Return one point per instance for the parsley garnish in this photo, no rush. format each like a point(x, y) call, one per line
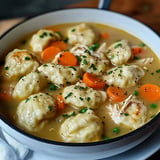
point(69, 115)
point(94, 47)
point(53, 87)
point(69, 94)
point(83, 110)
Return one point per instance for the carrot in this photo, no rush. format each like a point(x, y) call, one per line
point(136, 50)
point(116, 94)
point(60, 102)
point(150, 92)
point(92, 81)
point(49, 53)
point(5, 96)
point(59, 44)
point(104, 35)
point(67, 59)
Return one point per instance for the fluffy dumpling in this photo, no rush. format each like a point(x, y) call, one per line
point(131, 113)
point(79, 95)
point(119, 53)
point(124, 76)
point(42, 38)
point(59, 74)
point(29, 84)
point(19, 63)
point(82, 34)
point(34, 110)
point(84, 127)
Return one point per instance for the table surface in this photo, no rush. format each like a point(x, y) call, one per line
point(146, 11)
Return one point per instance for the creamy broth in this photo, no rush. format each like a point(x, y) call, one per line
point(51, 126)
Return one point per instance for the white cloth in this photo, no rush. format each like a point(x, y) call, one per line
point(10, 149)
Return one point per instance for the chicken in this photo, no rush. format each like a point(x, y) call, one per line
point(131, 112)
point(29, 84)
point(35, 110)
point(124, 76)
point(79, 96)
point(83, 127)
point(19, 63)
point(42, 38)
point(59, 74)
point(81, 34)
point(119, 53)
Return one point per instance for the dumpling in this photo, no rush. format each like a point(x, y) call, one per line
point(35, 110)
point(131, 112)
point(84, 127)
point(79, 95)
point(29, 84)
point(42, 38)
point(124, 76)
point(119, 52)
point(19, 63)
point(60, 75)
point(82, 34)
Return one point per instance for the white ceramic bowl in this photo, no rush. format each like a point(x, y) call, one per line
point(94, 150)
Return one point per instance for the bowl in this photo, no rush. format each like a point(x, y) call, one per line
point(94, 150)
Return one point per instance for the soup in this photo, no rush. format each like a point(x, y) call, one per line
point(80, 82)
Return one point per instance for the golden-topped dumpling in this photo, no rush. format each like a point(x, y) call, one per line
point(84, 127)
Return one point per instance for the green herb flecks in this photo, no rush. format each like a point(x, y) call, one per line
point(69, 115)
point(116, 130)
point(69, 94)
point(53, 87)
point(83, 110)
point(94, 47)
point(153, 105)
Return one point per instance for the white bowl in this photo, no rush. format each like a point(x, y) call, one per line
point(94, 150)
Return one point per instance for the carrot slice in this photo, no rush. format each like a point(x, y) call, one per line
point(5, 96)
point(60, 102)
point(150, 92)
point(59, 44)
point(67, 59)
point(92, 81)
point(116, 94)
point(136, 50)
point(104, 35)
point(49, 53)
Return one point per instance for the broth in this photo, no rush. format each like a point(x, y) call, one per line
point(50, 128)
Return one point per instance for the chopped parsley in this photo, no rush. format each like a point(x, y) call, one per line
point(85, 61)
point(88, 99)
point(93, 67)
point(73, 68)
point(153, 105)
point(6, 68)
point(158, 70)
point(69, 94)
point(69, 115)
point(66, 40)
point(27, 100)
point(73, 30)
point(83, 110)
point(53, 87)
point(142, 44)
point(78, 58)
point(94, 47)
point(50, 108)
point(81, 98)
point(118, 45)
point(116, 130)
point(136, 93)
point(27, 58)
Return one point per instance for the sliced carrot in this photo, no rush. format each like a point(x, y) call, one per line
point(60, 102)
point(59, 44)
point(116, 94)
point(150, 92)
point(104, 35)
point(49, 53)
point(67, 59)
point(5, 96)
point(92, 81)
point(136, 50)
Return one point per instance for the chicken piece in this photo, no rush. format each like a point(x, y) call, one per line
point(124, 76)
point(29, 84)
point(93, 64)
point(101, 51)
point(59, 74)
point(143, 62)
point(35, 110)
point(131, 112)
point(81, 34)
point(42, 38)
point(79, 95)
point(19, 63)
point(83, 127)
point(119, 53)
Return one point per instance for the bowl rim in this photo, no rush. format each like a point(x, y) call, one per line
point(53, 142)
